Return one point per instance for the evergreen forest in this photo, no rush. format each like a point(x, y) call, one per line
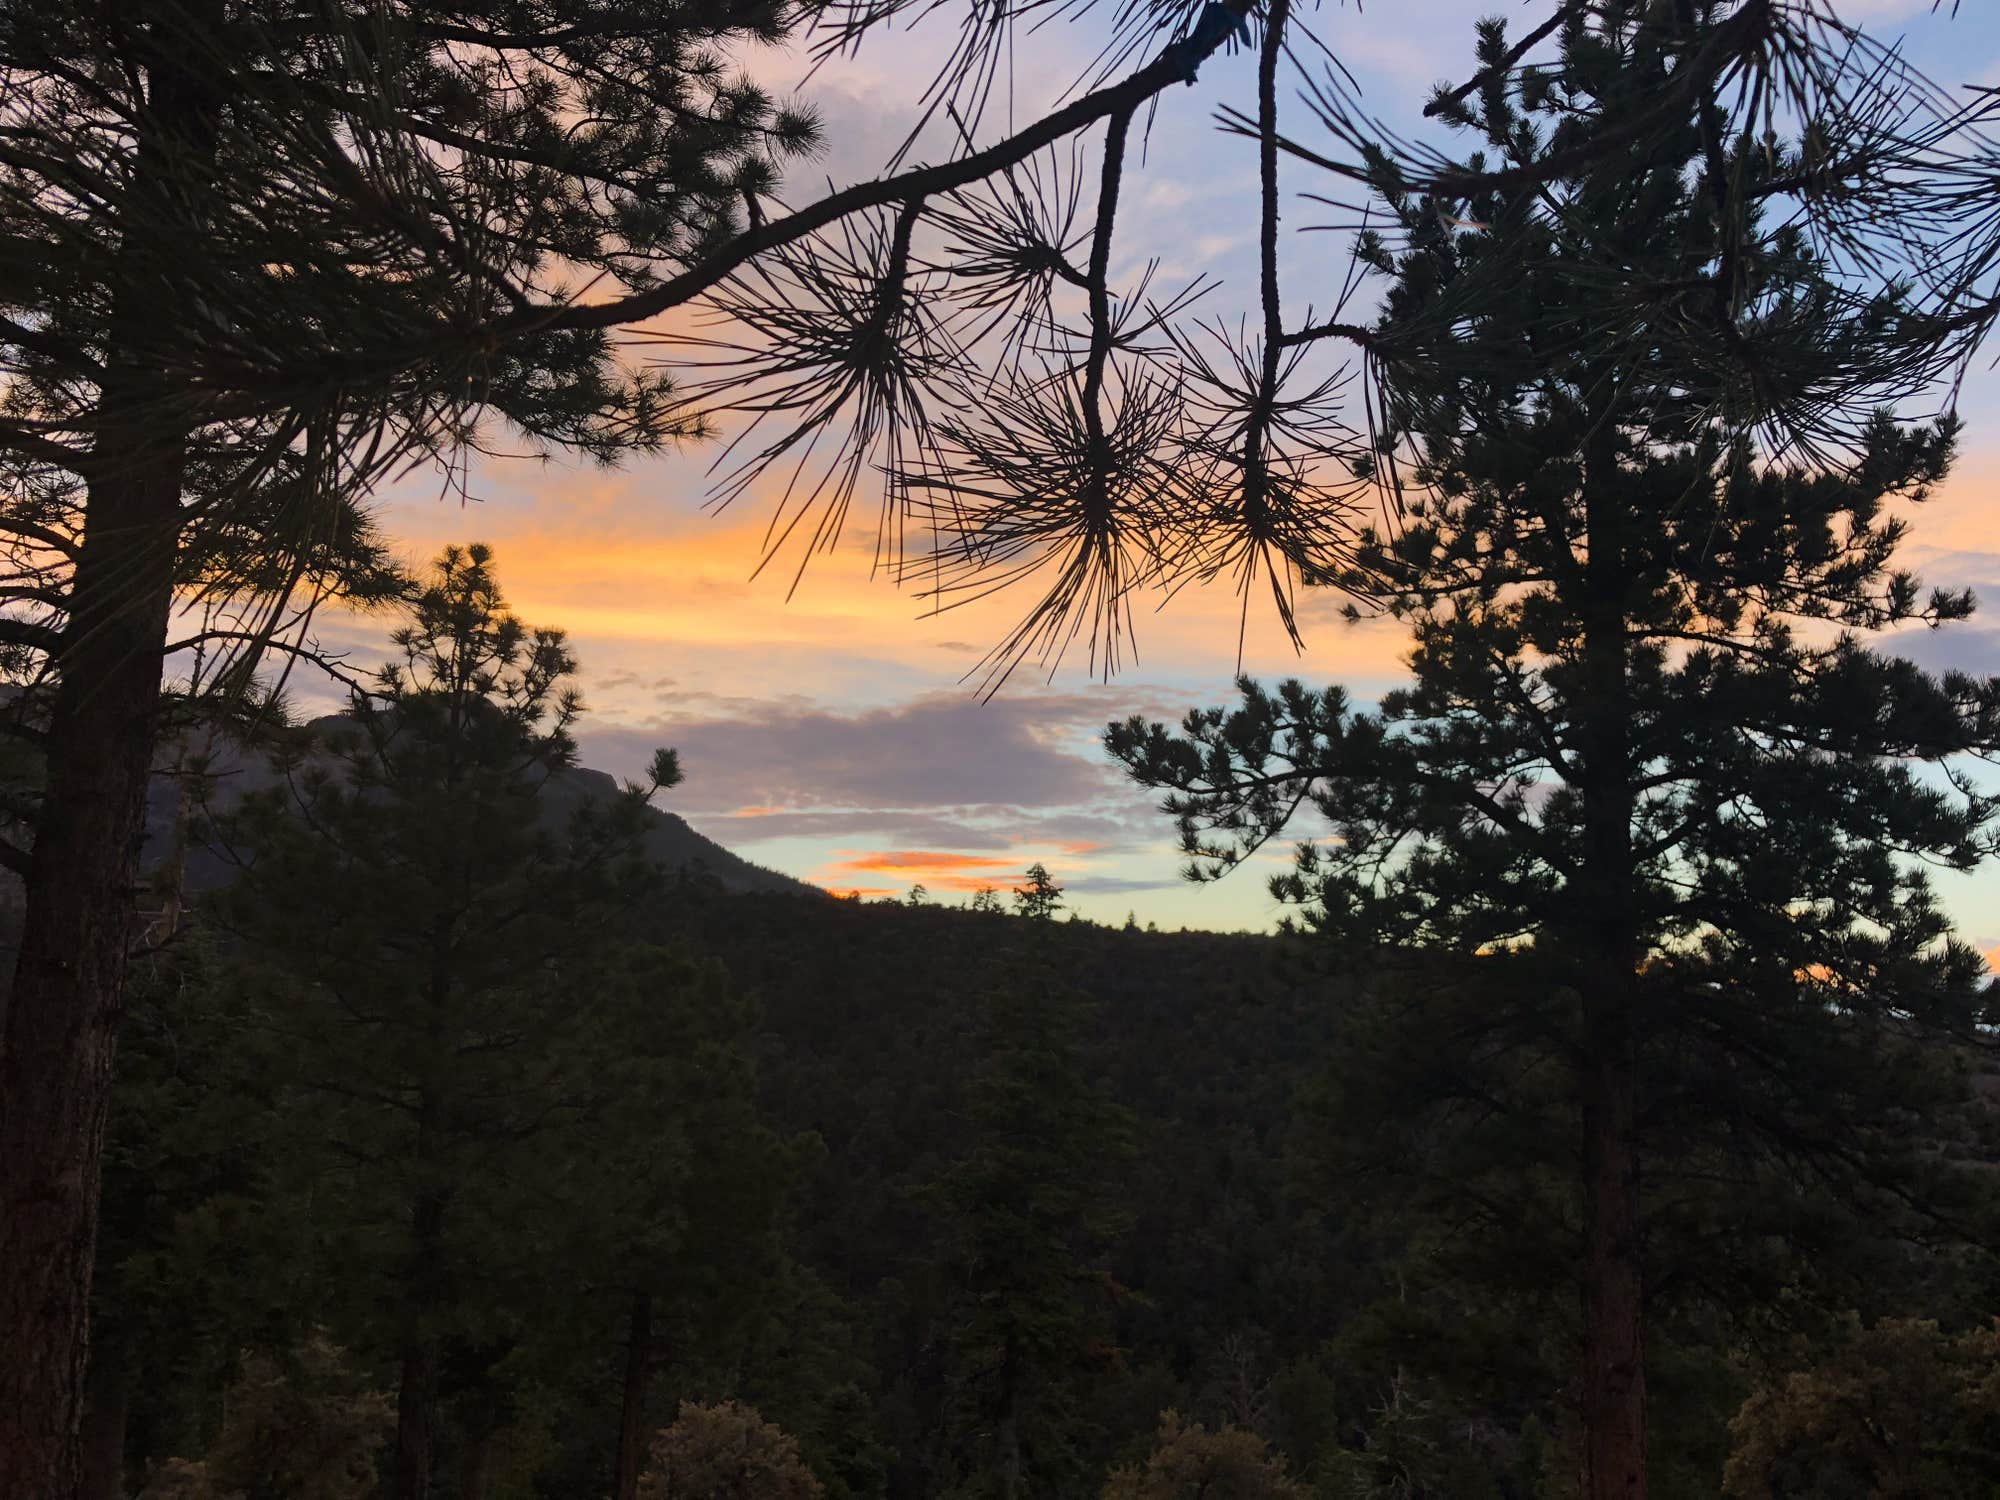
point(396, 1106)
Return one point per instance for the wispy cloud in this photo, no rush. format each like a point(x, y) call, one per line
point(939, 750)
point(935, 869)
point(1949, 649)
point(1118, 828)
point(920, 862)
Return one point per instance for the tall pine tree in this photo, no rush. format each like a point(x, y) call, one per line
point(1646, 762)
point(1030, 1210)
point(420, 931)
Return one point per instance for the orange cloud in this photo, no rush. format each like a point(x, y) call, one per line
point(922, 861)
point(632, 557)
point(1959, 515)
point(967, 884)
point(934, 868)
point(938, 869)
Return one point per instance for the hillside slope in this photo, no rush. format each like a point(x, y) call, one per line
point(670, 840)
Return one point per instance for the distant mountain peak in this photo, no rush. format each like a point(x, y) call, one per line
point(670, 841)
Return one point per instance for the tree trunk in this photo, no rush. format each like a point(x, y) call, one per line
point(1614, 1367)
point(1604, 941)
point(417, 1381)
point(61, 1022)
point(107, 1411)
point(639, 1365)
point(1007, 1434)
point(475, 1469)
point(59, 1030)
point(416, 1420)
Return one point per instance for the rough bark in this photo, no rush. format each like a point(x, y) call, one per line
point(59, 1033)
point(1606, 944)
point(61, 1022)
point(417, 1379)
point(61, 1037)
point(640, 1363)
point(1614, 1368)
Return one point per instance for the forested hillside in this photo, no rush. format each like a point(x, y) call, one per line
point(393, 1107)
point(1269, 1273)
point(469, 1128)
point(228, 772)
point(1212, 1247)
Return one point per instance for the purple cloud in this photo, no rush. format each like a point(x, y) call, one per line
point(1950, 648)
point(938, 751)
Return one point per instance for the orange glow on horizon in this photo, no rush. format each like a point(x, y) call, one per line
point(859, 892)
point(970, 885)
point(935, 869)
point(621, 557)
point(917, 861)
point(932, 868)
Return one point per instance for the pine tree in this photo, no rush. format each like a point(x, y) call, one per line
point(673, 1190)
point(1038, 898)
point(202, 1256)
point(420, 936)
point(1193, 1463)
point(207, 189)
point(1030, 1211)
point(1646, 764)
point(262, 252)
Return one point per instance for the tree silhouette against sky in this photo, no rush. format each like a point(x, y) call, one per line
point(261, 257)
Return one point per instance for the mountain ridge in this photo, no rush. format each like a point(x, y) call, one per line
point(234, 771)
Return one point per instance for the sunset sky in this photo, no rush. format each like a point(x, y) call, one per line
point(831, 736)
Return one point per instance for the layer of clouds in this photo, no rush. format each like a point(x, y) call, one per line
point(939, 750)
point(1951, 649)
point(979, 829)
point(1114, 885)
point(1957, 567)
point(934, 868)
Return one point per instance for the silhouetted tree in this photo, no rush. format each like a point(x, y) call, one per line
point(207, 191)
point(261, 257)
point(419, 934)
point(1039, 897)
point(1645, 761)
point(1029, 1211)
point(201, 1258)
point(262, 254)
point(671, 1193)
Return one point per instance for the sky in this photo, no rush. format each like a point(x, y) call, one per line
point(833, 735)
